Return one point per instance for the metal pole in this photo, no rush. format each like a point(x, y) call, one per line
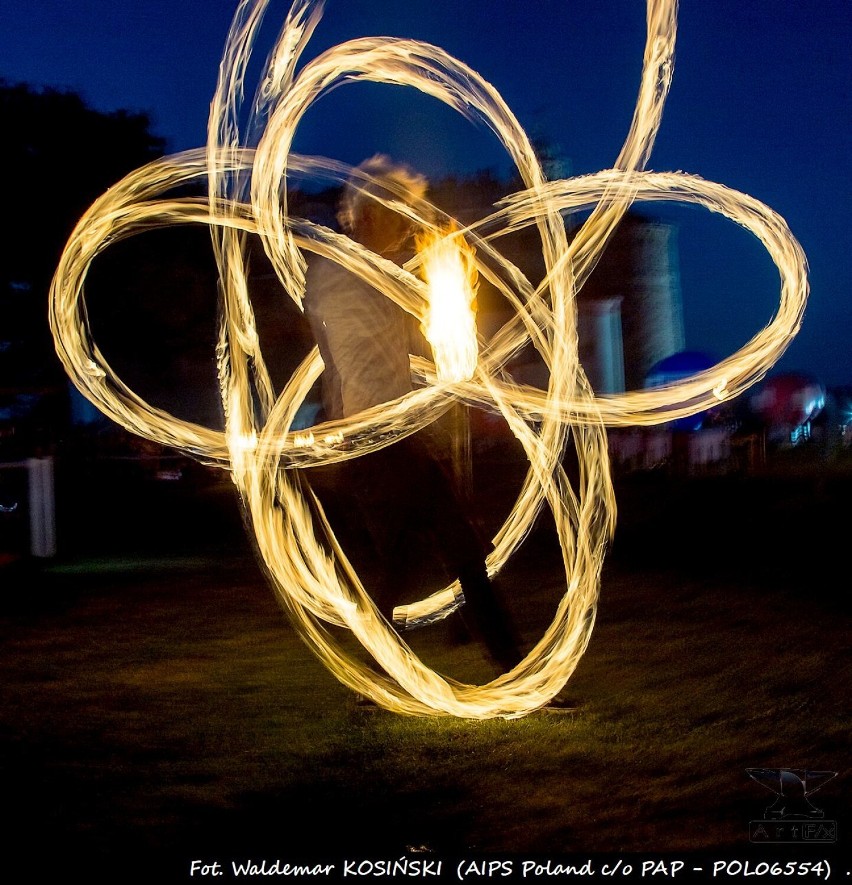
point(42, 507)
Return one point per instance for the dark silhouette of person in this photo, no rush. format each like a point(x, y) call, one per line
point(365, 339)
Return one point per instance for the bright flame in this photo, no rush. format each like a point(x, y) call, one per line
point(450, 272)
point(247, 194)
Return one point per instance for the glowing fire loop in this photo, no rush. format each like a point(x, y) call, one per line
point(267, 459)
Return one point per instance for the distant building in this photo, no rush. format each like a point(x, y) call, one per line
point(633, 293)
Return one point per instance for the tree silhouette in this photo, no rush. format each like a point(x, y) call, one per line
point(57, 155)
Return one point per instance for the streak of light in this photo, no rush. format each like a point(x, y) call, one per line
point(248, 172)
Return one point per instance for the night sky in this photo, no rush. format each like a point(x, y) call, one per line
point(760, 102)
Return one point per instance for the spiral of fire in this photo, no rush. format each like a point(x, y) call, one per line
point(247, 169)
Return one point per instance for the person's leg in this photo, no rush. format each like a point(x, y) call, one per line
point(486, 617)
point(387, 510)
point(464, 553)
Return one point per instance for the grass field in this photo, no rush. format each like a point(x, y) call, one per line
point(157, 707)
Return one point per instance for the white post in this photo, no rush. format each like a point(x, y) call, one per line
point(42, 507)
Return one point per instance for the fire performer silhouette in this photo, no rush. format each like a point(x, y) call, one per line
point(365, 339)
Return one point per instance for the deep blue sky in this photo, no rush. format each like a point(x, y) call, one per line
point(760, 102)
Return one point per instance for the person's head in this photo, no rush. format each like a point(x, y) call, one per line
point(366, 218)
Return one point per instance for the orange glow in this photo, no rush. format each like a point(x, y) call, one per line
point(450, 272)
point(248, 194)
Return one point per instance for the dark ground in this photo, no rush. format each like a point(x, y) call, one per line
point(157, 707)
